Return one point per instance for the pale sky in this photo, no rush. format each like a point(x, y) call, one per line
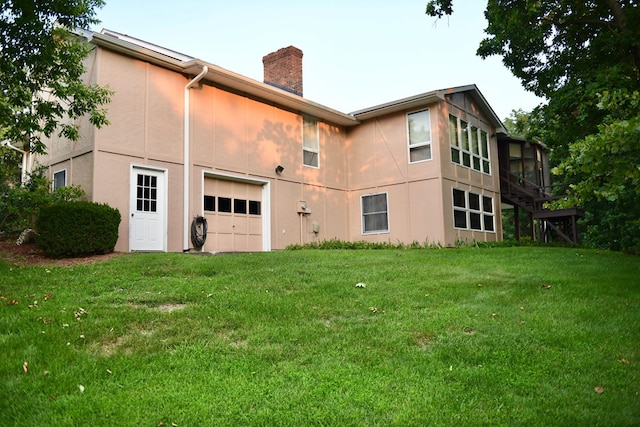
point(357, 53)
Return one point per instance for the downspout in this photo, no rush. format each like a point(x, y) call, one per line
point(187, 160)
point(26, 170)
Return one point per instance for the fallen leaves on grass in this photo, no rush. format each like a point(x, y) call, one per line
point(545, 286)
point(25, 367)
point(599, 390)
point(623, 360)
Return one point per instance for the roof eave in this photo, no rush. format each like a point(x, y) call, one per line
point(226, 78)
point(398, 105)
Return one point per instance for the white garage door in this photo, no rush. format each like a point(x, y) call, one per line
point(234, 216)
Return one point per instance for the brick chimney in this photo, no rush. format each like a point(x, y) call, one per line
point(283, 69)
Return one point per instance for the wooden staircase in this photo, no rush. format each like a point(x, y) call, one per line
point(531, 197)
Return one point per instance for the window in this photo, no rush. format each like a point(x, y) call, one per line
point(469, 145)
point(419, 127)
point(229, 205)
point(59, 179)
point(254, 207)
point(239, 206)
point(459, 209)
point(310, 143)
point(209, 203)
point(375, 217)
point(224, 204)
point(472, 211)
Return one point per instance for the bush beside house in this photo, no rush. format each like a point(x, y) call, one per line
point(68, 229)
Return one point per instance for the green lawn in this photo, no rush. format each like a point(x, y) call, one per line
point(460, 337)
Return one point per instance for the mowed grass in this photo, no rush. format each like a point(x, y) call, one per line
point(460, 337)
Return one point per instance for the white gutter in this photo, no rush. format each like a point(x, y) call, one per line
point(26, 170)
point(187, 160)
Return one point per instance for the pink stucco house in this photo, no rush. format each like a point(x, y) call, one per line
point(267, 167)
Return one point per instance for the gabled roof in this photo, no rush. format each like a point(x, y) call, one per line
point(429, 98)
point(185, 64)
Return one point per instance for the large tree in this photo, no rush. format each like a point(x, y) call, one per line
point(584, 58)
point(41, 70)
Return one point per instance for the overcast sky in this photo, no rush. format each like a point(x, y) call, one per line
point(357, 53)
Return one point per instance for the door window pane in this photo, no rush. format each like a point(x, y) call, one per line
point(147, 193)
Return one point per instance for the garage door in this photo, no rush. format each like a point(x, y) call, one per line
point(234, 216)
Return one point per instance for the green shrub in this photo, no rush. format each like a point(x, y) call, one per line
point(20, 204)
point(67, 229)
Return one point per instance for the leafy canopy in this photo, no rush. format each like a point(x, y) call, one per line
point(41, 69)
point(549, 44)
point(584, 58)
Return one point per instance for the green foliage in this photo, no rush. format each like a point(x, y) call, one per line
point(67, 229)
point(439, 8)
point(10, 161)
point(605, 170)
point(20, 204)
point(552, 44)
point(360, 245)
point(41, 70)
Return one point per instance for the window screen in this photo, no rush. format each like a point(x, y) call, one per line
point(375, 216)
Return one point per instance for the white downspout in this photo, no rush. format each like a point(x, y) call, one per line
point(26, 170)
point(187, 160)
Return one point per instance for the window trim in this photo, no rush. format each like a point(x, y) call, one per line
point(305, 148)
point(53, 179)
point(428, 143)
point(362, 214)
point(468, 211)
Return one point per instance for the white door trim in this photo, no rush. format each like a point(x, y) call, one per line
point(266, 199)
point(162, 205)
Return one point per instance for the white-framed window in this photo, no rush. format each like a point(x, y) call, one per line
point(310, 142)
point(473, 211)
point(419, 135)
point(59, 179)
point(375, 213)
point(469, 145)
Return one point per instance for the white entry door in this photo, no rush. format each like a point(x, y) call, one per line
point(147, 222)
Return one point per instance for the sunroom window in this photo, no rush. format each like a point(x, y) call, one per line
point(472, 211)
point(469, 145)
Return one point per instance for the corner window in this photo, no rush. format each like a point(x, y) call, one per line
point(310, 142)
point(59, 179)
point(375, 215)
point(419, 131)
point(472, 211)
point(469, 145)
